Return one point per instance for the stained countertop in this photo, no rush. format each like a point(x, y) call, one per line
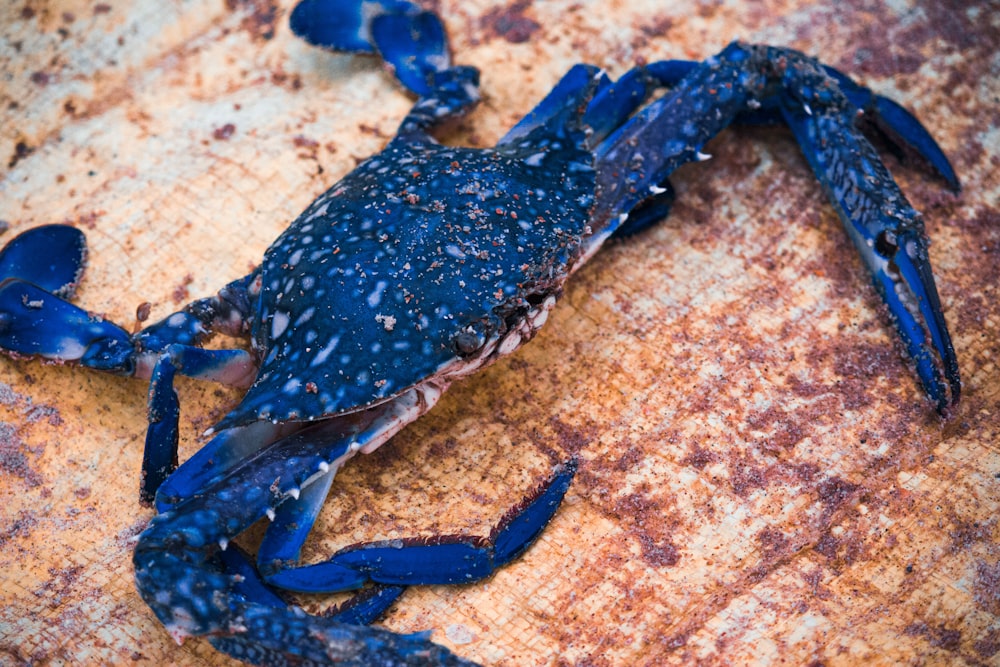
point(761, 480)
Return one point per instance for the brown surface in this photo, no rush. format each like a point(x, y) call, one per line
point(761, 480)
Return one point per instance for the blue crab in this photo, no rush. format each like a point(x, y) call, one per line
point(420, 267)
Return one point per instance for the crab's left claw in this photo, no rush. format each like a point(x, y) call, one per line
point(889, 234)
point(39, 269)
point(905, 133)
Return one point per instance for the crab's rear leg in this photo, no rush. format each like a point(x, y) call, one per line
point(448, 560)
point(437, 560)
point(394, 565)
point(363, 608)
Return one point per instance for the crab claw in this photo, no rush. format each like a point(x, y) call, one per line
point(50, 256)
point(902, 271)
point(889, 235)
point(37, 269)
point(34, 321)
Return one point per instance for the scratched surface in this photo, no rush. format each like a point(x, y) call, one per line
point(760, 481)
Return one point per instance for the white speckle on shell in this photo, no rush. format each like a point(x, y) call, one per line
point(305, 316)
point(375, 298)
point(322, 355)
point(278, 324)
point(387, 321)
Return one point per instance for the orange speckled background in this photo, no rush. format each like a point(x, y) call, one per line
point(761, 481)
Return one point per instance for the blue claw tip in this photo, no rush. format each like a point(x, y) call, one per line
point(51, 256)
point(936, 361)
point(902, 273)
point(906, 131)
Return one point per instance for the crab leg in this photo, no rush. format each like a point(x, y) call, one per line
point(233, 367)
point(363, 608)
point(216, 458)
point(193, 593)
point(439, 560)
point(35, 320)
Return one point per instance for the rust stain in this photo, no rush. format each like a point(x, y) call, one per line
point(510, 23)
point(261, 17)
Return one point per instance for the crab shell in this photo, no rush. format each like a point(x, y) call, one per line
point(423, 264)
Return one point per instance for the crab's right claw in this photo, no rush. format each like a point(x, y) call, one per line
point(35, 322)
point(902, 271)
point(889, 234)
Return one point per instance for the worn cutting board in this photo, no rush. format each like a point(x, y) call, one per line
point(761, 480)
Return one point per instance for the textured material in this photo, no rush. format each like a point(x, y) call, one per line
point(760, 476)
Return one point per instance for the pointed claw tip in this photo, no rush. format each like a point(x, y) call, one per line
point(947, 405)
point(146, 497)
point(568, 467)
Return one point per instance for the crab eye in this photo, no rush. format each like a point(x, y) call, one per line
point(885, 244)
point(467, 343)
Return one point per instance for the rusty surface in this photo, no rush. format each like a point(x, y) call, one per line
point(760, 481)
